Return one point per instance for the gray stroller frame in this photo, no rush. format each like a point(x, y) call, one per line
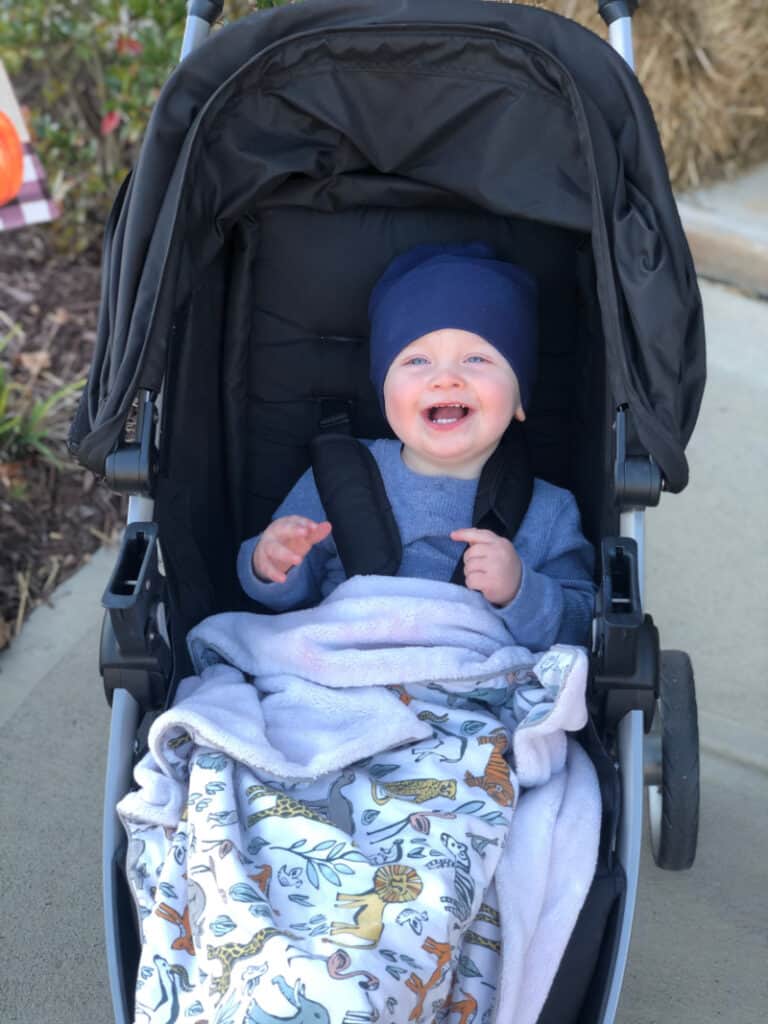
point(646, 761)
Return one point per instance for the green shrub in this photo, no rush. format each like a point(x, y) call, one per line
point(89, 71)
point(27, 419)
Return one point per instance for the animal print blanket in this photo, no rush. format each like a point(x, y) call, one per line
point(363, 812)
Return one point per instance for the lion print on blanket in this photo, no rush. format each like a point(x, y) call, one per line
point(366, 895)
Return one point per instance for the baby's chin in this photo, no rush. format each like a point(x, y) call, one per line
point(458, 463)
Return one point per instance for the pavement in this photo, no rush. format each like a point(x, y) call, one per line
point(698, 949)
point(727, 229)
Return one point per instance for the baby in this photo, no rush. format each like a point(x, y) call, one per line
point(453, 360)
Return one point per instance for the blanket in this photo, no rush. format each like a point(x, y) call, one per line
point(368, 811)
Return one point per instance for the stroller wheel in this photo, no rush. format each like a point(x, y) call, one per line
point(673, 743)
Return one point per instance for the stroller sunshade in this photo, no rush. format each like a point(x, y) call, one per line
point(504, 114)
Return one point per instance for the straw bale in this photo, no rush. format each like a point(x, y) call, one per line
point(703, 66)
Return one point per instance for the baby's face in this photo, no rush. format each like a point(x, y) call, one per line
point(449, 396)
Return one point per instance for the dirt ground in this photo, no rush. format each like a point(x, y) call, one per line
point(52, 517)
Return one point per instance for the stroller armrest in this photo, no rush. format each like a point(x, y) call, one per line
point(625, 661)
point(134, 653)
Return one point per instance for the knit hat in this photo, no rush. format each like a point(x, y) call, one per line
point(432, 287)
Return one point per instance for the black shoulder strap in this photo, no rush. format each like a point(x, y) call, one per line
point(364, 528)
point(504, 491)
point(349, 483)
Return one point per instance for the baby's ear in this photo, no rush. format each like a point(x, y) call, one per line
point(519, 414)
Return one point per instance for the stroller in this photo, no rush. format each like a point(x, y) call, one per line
point(288, 159)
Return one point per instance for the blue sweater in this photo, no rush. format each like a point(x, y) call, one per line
point(555, 601)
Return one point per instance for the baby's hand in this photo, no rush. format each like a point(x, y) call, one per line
point(284, 544)
point(491, 564)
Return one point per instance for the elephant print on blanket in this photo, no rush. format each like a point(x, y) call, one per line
point(363, 896)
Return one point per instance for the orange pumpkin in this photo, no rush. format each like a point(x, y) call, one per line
point(11, 160)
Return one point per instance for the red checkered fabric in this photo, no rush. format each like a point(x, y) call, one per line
point(33, 204)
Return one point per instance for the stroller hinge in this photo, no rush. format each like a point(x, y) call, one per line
point(131, 468)
point(134, 653)
point(625, 660)
point(637, 479)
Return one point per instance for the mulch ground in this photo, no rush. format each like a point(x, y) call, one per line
point(52, 518)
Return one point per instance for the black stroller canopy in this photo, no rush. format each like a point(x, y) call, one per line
point(418, 103)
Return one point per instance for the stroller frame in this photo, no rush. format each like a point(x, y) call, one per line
point(131, 672)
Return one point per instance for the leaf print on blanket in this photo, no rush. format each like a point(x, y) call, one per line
point(317, 925)
point(227, 1012)
point(213, 762)
point(330, 866)
point(222, 925)
point(244, 893)
point(219, 819)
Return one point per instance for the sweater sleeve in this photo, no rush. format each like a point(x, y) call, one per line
point(555, 602)
point(302, 585)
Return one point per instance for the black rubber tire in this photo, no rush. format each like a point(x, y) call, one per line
point(674, 845)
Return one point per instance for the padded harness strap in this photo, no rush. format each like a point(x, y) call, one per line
point(504, 491)
point(349, 483)
point(365, 532)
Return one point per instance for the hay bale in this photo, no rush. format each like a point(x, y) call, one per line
point(702, 64)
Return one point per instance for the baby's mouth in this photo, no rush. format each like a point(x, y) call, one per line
point(447, 414)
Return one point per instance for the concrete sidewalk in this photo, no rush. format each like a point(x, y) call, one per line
point(727, 229)
point(707, 560)
point(69, 622)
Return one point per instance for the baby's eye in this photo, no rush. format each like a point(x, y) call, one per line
point(480, 359)
point(415, 361)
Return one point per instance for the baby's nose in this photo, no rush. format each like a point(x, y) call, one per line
point(446, 376)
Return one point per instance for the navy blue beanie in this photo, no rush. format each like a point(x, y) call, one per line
point(432, 287)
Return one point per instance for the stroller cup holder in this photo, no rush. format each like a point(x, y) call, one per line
point(625, 663)
point(134, 654)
